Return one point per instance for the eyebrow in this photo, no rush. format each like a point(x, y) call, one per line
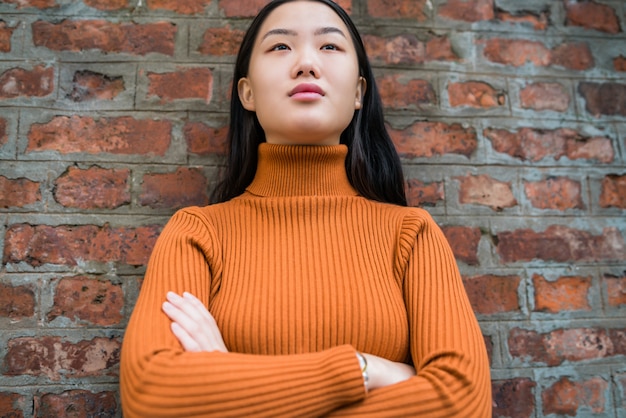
point(289, 32)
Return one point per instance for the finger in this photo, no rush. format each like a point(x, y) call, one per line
point(191, 315)
point(186, 340)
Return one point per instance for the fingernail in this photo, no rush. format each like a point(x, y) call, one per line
point(187, 295)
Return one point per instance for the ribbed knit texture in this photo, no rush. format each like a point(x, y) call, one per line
point(300, 272)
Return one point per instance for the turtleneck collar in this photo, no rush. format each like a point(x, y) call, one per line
point(301, 170)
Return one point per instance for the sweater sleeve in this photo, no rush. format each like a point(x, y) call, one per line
point(447, 347)
point(159, 379)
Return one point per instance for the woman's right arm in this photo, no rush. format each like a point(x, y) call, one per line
point(158, 378)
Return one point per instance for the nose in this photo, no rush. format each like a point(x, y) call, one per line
point(306, 65)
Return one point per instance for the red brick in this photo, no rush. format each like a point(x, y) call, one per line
point(566, 397)
point(563, 294)
point(464, 241)
point(493, 294)
point(17, 82)
point(424, 194)
point(69, 245)
point(38, 4)
point(17, 193)
point(575, 56)
point(400, 95)
point(88, 85)
point(536, 144)
point(185, 187)
point(123, 135)
point(191, 83)
point(467, 10)
point(54, 357)
point(77, 404)
point(539, 22)
point(93, 188)
point(604, 98)
point(398, 9)
point(558, 193)
point(82, 35)
point(560, 243)
point(407, 49)
point(485, 190)
point(12, 405)
point(615, 290)
point(4, 137)
point(108, 5)
point(241, 8)
point(16, 301)
point(592, 15)
point(574, 345)
point(426, 139)
point(87, 299)
point(221, 41)
point(249, 8)
point(187, 7)
point(619, 63)
point(205, 140)
point(5, 36)
point(513, 398)
point(545, 96)
point(475, 94)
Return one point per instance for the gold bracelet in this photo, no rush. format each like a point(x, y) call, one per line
point(363, 364)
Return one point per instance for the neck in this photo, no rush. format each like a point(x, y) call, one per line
point(301, 170)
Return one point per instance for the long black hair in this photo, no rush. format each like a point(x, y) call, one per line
point(372, 165)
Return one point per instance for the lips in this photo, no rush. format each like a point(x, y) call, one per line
point(305, 88)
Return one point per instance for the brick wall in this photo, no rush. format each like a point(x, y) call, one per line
point(509, 116)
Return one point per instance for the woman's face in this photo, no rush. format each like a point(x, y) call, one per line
point(303, 80)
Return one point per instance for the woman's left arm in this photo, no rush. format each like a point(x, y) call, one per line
point(448, 351)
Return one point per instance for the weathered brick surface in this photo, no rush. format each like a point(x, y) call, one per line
point(77, 403)
point(88, 85)
point(545, 96)
point(560, 243)
point(567, 397)
point(16, 301)
point(493, 294)
point(487, 191)
point(93, 188)
point(123, 135)
point(559, 193)
point(563, 294)
point(18, 82)
point(573, 345)
point(18, 192)
point(84, 35)
point(475, 94)
point(69, 245)
point(538, 144)
point(54, 357)
point(513, 398)
point(185, 187)
point(426, 139)
point(508, 115)
point(87, 299)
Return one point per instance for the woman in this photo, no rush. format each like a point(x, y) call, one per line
point(309, 289)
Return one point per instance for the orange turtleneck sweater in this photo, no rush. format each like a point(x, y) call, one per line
point(300, 272)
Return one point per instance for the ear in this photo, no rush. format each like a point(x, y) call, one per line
point(360, 92)
point(245, 94)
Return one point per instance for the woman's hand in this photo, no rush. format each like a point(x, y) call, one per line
point(383, 372)
point(193, 324)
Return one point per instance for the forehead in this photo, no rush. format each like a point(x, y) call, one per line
point(302, 16)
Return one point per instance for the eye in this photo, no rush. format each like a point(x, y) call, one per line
point(330, 47)
point(279, 47)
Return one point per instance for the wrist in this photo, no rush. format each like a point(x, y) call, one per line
point(364, 372)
